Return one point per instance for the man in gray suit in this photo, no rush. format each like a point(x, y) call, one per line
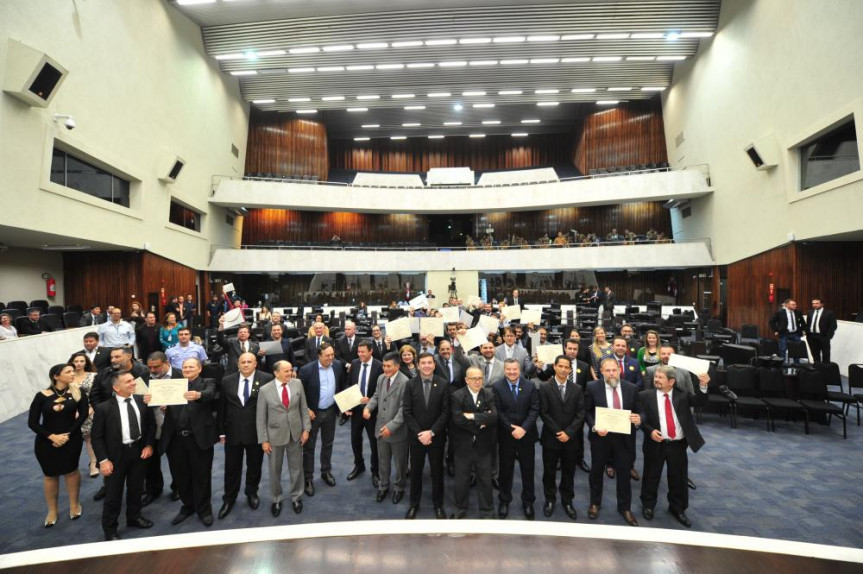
point(492, 368)
point(283, 426)
point(510, 350)
point(392, 434)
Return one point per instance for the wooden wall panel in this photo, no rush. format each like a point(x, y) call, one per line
point(421, 154)
point(628, 134)
point(158, 272)
point(747, 284)
point(264, 225)
point(103, 278)
point(832, 271)
point(285, 145)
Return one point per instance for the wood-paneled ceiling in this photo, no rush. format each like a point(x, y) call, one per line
point(335, 55)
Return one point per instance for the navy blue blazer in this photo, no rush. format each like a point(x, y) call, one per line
point(595, 397)
point(631, 372)
point(522, 412)
point(374, 371)
point(312, 383)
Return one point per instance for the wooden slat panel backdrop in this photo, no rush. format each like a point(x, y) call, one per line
point(285, 145)
point(262, 225)
point(421, 154)
point(832, 271)
point(159, 272)
point(748, 282)
point(627, 134)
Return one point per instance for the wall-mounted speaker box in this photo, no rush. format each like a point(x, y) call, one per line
point(32, 76)
point(764, 152)
point(172, 169)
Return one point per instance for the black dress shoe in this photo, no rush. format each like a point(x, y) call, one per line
point(226, 509)
point(109, 536)
point(207, 519)
point(276, 508)
point(175, 495)
point(328, 478)
point(100, 494)
point(181, 516)
point(548, 508)
point(298, 506)
point(376, 479)
point(254, 501)
point(583, 466)
point(634, 474)
point(343, 419)
point(529, 512)
point(682, 518)
point(593, 511)
point(689, 483)
point(439, 513)
point(495, 484)
point(411, 513)
point(459, 515)
point(647, 513)
point(139, 522)
point(450, 468)
point(357, 470)
point(570, 510)
point(397, 496)
point(629, 518)
point(503, 510)
point(379, 497)
point(310, 488)
point(148, 499)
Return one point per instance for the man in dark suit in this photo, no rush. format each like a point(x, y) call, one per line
point(473, 430)
point(632, 342)
point(34, 325)
point(426, 412)
point(379, 344)
point(188, 436)
point(313, 344)
point(347, 344)
point(787, 325)
point(611, 392)
point(99, 356)
point(123, 434)
point(92, 317)
point(287, 354)
point(364, 372)
point(450, 366)
point(517, 401)
point(147, 337)
point(154, 482)
point(630, 371)
point(562, 412)
point(238, 345)
point(238, 403)
point(820, 328)
point(669, 428)
point(321, 379)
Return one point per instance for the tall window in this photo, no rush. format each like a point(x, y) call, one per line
point(70, 171)
point(184, 217)
point(830, 156)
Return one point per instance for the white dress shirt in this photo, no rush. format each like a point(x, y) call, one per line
point(609, 395)
point(660, 404)
point(242, 386)
point(124, 418)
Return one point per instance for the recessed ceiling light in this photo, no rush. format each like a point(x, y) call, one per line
point(373, 45)
point(244, 73)
point(355, 110)
point(491, 122)
point(403, 96)
point(371, 126)
point(513, 62)
point(452, 123)
point(305, 50)
point(263, 101)
point(436, 137)
point(398, 137)
point(575, 60)
point(672, 36)
point(615, 36)
point(331, 69)
point(545, 60)
point(474, 93)
point(696, 34)
point(421, 65)
point(295, 100)
point(439, 95)
point(640, 58)
point(452, 64)
point(577, 37)
point(607, 59)
point(477, 135)
point(519, 134)
point(271, 53)
point(442, 42)
point(475, 41)
point(411, 125)
point(333, 98)
point(619, 89)
point(407, 44)
point(300, 70)
point(307, 111)
point(530, 121)
point(390, 66)
point(362, 139)
point(358, 67)
point(413, 108)
point(510, 93)
point(543, 38)
point(547, 91)
point(653, 89)
point(607, 102)
point(670, 58)
point(509, 39)
point(647, 35)
point(483, 105)
point(484, 63)
point(368, 97)
point(230, 57)
point(582, 90)
point(547, 104)
point(458, 107)
point(338, 48)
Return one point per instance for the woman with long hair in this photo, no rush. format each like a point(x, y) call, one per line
point(408, 363)
point(600, 349)
point(85, 373)
point(648, 355)
point(168, 334)
point(56, 416)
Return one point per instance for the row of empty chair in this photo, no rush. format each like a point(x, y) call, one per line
point(519, 177)
point(624, 169)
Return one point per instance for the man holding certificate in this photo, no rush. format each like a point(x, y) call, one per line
point(669, 428)
point(605, 400)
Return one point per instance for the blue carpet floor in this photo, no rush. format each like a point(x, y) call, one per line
point(776, 485)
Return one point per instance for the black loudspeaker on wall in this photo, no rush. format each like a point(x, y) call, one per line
point(764, 152)
point(172, 170)
point(31, 75)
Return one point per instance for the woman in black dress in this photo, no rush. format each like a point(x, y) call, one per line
point(56, 416)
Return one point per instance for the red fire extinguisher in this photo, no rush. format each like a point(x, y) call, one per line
point(50, 285)
point(771, 293)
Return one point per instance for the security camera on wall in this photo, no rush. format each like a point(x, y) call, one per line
point(32, 76)
point(68, 121)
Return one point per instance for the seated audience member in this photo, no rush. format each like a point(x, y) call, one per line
point(92, 317)
point(185, 349)
point(56, 416)
point(116, 332)
point(168, 334)
point(34, 325)
point(7, 329)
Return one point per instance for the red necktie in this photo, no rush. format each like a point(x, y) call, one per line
point(669, 418)
point(285, 399)
point(615, 400)
point(620, 362)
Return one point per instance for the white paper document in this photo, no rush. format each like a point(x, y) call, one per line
point(419, 302)
point(168, 392)
point(349, 398)
point(528, 316)
point(449, 314)
point(398, 329)
point(472, 338)
point(512, 312)
point(432, 326)
point(697, 366)
point(488, 324)
point(272, 347)
point(613, 420)
point(228, 287)
point(547, 353)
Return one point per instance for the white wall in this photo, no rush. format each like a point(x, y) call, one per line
point(467, 283)
point(142, 92)
point(783, 67)
point(21, 275)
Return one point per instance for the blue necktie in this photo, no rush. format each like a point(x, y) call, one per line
point(246, 392)
point(514, 389)
point(363, 380)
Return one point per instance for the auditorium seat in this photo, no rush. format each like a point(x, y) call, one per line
point(41, 304)
point(13, 312)
point(53, 321)
point(75, 309)
point(774, 392)
point(71, 319)
point(56, 309)
point(813, 397)
point(743, 380)
point(20, 305)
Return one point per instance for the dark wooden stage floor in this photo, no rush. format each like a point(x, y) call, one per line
point(449, 554)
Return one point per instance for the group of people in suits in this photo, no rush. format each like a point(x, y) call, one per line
point(788, 324)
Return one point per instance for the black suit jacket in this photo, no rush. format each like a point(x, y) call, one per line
point(681, 403)
point(234, 351)
point(107, 432)
point(581, 374)
point(201, 420)
point(312, 381)
point(374, 371)
point(347, 353)
point(560, 414)
point(826, 323)
point(88, 320)
point(102, 358)
point(482, 430)
point(420, 417)
point(522, 412)
point(237, 422)
point(312, 349)
point(779, 322)
point(147, 340)
point(460, 364)
point(102, 390)
point(287, 354)
point(28, 327)
point(379, 352)
point(595, 397)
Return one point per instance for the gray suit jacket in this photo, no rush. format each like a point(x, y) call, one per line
point(520, 355)
point(276, 424)
point(683, 380)
point(388, 405)
point(496, 369)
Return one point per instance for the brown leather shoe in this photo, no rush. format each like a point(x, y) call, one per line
point(609, 472)
point(634, 474)
point(593, 512)
point(630, 519)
